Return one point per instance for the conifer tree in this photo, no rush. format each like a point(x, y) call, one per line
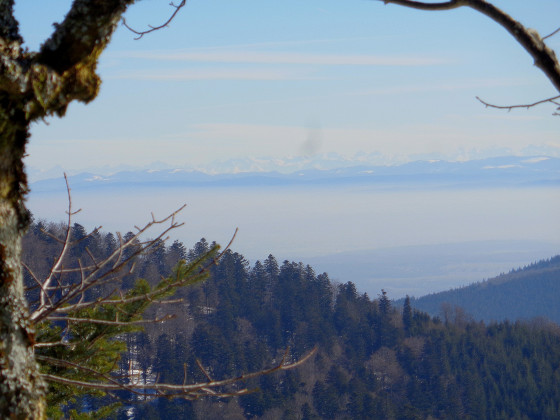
point(407, 315)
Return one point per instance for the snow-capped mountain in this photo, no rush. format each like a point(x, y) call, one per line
point(509, 171)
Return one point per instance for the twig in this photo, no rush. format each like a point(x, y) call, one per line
point(526, 106)
point(109, 322)
point(97, 277)
point(204, 371)
point(155, 28)
point(58, 261)
point(551, 34)
point(544, 57)
point(191, 391)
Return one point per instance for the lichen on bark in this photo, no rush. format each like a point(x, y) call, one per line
point(34, 85)
point(21, 387)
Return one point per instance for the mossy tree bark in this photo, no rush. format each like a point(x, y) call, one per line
point(34, 85)
point(20, 385)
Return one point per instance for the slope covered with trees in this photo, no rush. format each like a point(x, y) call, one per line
point(526, 293)
point(374, 360)
point(38, 84)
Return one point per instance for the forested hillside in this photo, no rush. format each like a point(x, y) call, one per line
point(525, 293)
point(374, 360)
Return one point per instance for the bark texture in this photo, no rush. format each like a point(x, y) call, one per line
point(34, 85)
point(21, 387)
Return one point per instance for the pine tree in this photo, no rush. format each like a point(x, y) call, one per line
point(407, 316)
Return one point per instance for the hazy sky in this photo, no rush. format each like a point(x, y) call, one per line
point(248, 78)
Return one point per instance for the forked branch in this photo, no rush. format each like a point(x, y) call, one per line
point(554, 100)
point(186, 391)
point(71, 297)
point(80, 353)
point(156, 28)
point(544, 57)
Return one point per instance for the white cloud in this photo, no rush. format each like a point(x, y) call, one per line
point(501, 167)
point(243, 56)
point(209, 74)
point(535, 160)
point(439, 87)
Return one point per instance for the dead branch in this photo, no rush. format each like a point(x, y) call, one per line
point(62, 300)
point(178, 282)
point(65, 247)
point(189, 392)
point(110, 322)
point(94, 276)
point(544, 57)
point(551, 34)
point(526, 106)
point(447, 5)
point(156, 28)
point(51, 344)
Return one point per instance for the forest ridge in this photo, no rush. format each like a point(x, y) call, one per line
point(375, 360)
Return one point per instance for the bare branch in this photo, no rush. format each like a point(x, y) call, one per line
point(148, 296)
point(53, 237)
point(526, 106)
point(204, 371)
point(108, 300)
point(229, 244)
point(65, 247)
point(551, 34)
point(191, 391)
point(185, 373)
point(96, 277)
point(39, 284)
point(63, 301)
point(51, 344)
point(60, 362)
point(156, 28)
point(109, 322)
point(448, 5)
point(543, 56)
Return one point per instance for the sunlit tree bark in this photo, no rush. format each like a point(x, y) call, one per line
point(34, 85)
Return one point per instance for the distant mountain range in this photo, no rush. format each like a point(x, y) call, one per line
point(525, 293)
point(507, 171)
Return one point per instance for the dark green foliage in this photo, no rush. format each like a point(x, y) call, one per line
point(374, 361)
point(525, 293)
point(83, 344)
point(92, 346)
point(407, 317)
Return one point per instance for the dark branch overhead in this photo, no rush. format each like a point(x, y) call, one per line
point(9, 29)
point(554, 100)
point(447, 5)
point(84, 33)
point(544, 57)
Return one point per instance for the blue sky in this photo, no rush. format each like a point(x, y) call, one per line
point(233, 79)
point(248, 78)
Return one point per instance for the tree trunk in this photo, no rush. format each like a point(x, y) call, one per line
point(21, 387)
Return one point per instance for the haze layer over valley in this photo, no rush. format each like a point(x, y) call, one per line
point(411, 229)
